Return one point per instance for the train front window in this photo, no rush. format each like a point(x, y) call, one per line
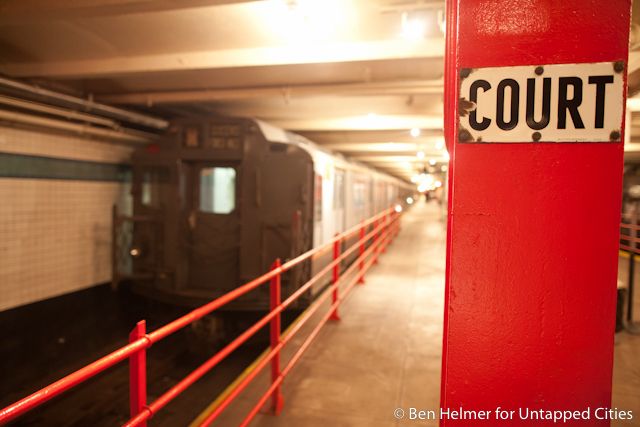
point(217, 190)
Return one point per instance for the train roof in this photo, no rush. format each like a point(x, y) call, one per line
point(275, 134)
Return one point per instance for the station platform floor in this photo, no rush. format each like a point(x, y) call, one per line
point(385, 352)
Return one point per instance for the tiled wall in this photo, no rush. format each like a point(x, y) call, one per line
point(55, 235)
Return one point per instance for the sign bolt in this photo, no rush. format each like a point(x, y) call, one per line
point(536, 136)
point(464, 73)
point(539, 70)
point(618, 66)
point(464, 135)
point(614, 135)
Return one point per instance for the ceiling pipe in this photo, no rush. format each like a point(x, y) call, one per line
point(61, 112)
point(88, 105)
point(129, 136)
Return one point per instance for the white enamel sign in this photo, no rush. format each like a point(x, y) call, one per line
point(549, 103)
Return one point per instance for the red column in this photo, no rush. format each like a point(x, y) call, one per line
point(533, 218)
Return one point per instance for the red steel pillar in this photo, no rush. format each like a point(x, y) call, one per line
point(534, 123)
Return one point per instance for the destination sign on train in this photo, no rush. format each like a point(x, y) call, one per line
point(546, 103)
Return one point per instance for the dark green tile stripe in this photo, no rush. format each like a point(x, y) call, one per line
point(37, 167)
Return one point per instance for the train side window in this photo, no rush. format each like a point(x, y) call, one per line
point(217, 190)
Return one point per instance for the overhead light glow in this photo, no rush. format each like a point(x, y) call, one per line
point(398, 208)
point(413, 29)
point(446, 156)
point(440, 144)
point(444, 168)
point(409, 200)
point(302, 21)
point(415, 132)
point(438, 184)
point(415, 178)
point(633, 104)
point(432, 162)
point(420, 154)
point(425, 182)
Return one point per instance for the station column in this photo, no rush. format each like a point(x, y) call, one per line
point(534, 122)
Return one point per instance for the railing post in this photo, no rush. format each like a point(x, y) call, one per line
point(630, 283)
point(275, 288)
point(385, 231)
point(138, 373)
point(335, 277)
point(376, 238)
point(361, 254)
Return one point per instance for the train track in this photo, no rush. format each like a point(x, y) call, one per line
point(103, 401)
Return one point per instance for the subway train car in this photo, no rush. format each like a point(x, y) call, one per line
point(218, 200)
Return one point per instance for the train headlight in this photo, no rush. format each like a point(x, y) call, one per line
point(398, 208)
point(135, 252)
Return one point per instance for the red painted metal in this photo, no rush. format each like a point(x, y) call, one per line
point(335, 278)
point(375, 242)
point(139, 341)
point(276, 398)
point(138, 373)
point(533, 228)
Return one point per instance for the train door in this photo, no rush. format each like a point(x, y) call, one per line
point(339, 200)
point(150, 191)
point(214, 222)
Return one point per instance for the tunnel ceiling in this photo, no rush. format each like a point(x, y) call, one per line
point(355, 75)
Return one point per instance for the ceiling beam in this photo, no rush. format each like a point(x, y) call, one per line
point(370, 136)
point(382, 155)
point(26, 11)
point(397, 159)
point(382, 147)
point(232, 58)
point(401, 87)
point(359, 123)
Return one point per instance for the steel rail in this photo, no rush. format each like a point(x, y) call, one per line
point(301, 322)
point(305, 345)
point(43, 395)
point(195, 375)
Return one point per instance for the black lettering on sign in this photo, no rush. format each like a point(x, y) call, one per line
point(473, 97)
point(601, 83)
point(571, 105)
point(546, 104)
point(515, 100)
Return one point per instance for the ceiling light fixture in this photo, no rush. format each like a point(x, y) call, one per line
point(413, 29)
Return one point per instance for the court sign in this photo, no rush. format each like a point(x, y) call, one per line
point(545, 103)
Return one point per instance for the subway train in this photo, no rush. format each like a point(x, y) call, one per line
point(216, 201)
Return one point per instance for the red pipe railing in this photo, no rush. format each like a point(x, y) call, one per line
point(384, 227)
